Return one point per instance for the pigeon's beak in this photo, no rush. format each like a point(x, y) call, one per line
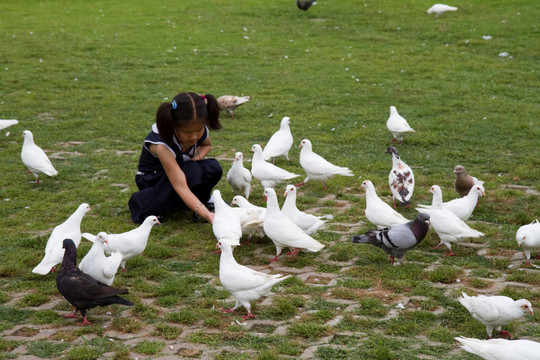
point(106, 241)
point(286, 192)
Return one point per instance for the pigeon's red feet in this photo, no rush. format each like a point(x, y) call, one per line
point(227, 310)
point(299, 184)
point(124, 270)
point(392, 260)
point(528, 263)
point(505, 334)
point(69, 316)
point(450, 253)
point(293, 253)
point(436, 247)
point(249, 316)
point(85, 322)
point(275, 258)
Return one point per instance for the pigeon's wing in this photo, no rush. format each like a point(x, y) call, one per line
point(243, 278)
point(315, 164)
point(36, 159)
point(111, 264)
point(484, 308)
point(89, 237)
point(400, 237)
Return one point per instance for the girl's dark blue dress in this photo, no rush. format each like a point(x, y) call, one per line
point(156, 194)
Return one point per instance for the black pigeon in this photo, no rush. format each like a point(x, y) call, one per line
point(399, 239)
point(304, 5)
point(81, 290)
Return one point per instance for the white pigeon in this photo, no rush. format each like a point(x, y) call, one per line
point(282, 231)
point(5, 123)
point(318, 168)
point(501, 349)
point(251, 215)
point(495, 311)
point(528, 237)
point(268, 174)
point(69, 229)
point(397, 125)
point(239, 177)
point(378, 212)
point(280, 142)
point(243, 283)
point(307, 222)
point(130, 243)
point(439, 9)
point(229, 103)
point(97, 265)
point(400, 179)
point(446, 224)
point(462, 207)
point(226, 224)
point(34, 158)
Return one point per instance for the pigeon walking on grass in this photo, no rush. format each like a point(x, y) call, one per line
point(243, 283)
point(5, 123)
point(307, 222)
point(239, 177)
point(229, 103)
point(397, 125)
point(318, 168)
point(439, 9)
point(80, 289)
point(528, 238)
point(400, 179)
point(268, 174)
point(71, 228)
point(305, 4)
point(226, 224)
point(34, 158)
point(399, 239)
point(130, 243)
point(501, 349)
point(495, 311)
point(378, 212)
point(280, 142)
point(447, 225)
point(283, 232)
point(251, 216)
point(464, 182)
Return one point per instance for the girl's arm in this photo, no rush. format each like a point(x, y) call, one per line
point(178, 181)
point(203, 149)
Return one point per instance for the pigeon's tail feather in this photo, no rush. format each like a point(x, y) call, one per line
point(113, 300)
point(43, 267)
point(89, 236)
point(368, 238)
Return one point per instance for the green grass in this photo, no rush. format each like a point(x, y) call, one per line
point(86, 78)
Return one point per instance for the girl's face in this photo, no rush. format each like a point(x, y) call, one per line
point(189, 133)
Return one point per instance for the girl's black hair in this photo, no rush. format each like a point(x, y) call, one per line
point(186, 107)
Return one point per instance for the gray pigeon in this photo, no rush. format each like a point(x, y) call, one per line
point(399, 239)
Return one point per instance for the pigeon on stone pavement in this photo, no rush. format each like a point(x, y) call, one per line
point(399, 239)
point(378, 212)
point(501, 349)
point(80, 289)
point(528, 238)
point(268, 174)
point(462, 207)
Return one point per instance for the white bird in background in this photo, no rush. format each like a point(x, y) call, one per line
point(495, 311)
point(378, 212)
point(229, 103)
point(252, 215)
point(528, 237)
point(226, 224)
point(446, 224)
point(69, 229)
point(5, 123)
point(462, 207)
point(34, 158)
point(268, 174)
point(501, 349)
point(282, 231)
point(318, 168)
point(397, 125)
point(439, 9)
point(130, 243)
point(239, 177)
point(400, 179)
point(99, 266)
point(280, 142)
point(307, 222)
point(243, 283)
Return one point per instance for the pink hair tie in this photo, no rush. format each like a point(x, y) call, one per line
point(204, 98)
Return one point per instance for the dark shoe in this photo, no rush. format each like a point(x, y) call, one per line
point(195, 217)
point(210, 207)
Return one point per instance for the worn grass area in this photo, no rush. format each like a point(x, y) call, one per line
point(86, 78)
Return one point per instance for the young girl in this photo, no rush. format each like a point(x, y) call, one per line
point(173, 171)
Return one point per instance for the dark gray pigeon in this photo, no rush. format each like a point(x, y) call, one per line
point(81, 290)
point(399, 239)
point(304, 5)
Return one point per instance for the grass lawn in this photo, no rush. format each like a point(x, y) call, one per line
point(87, 77)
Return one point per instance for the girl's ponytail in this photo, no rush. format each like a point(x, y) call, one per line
point(212, 112)
point(165, 122)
